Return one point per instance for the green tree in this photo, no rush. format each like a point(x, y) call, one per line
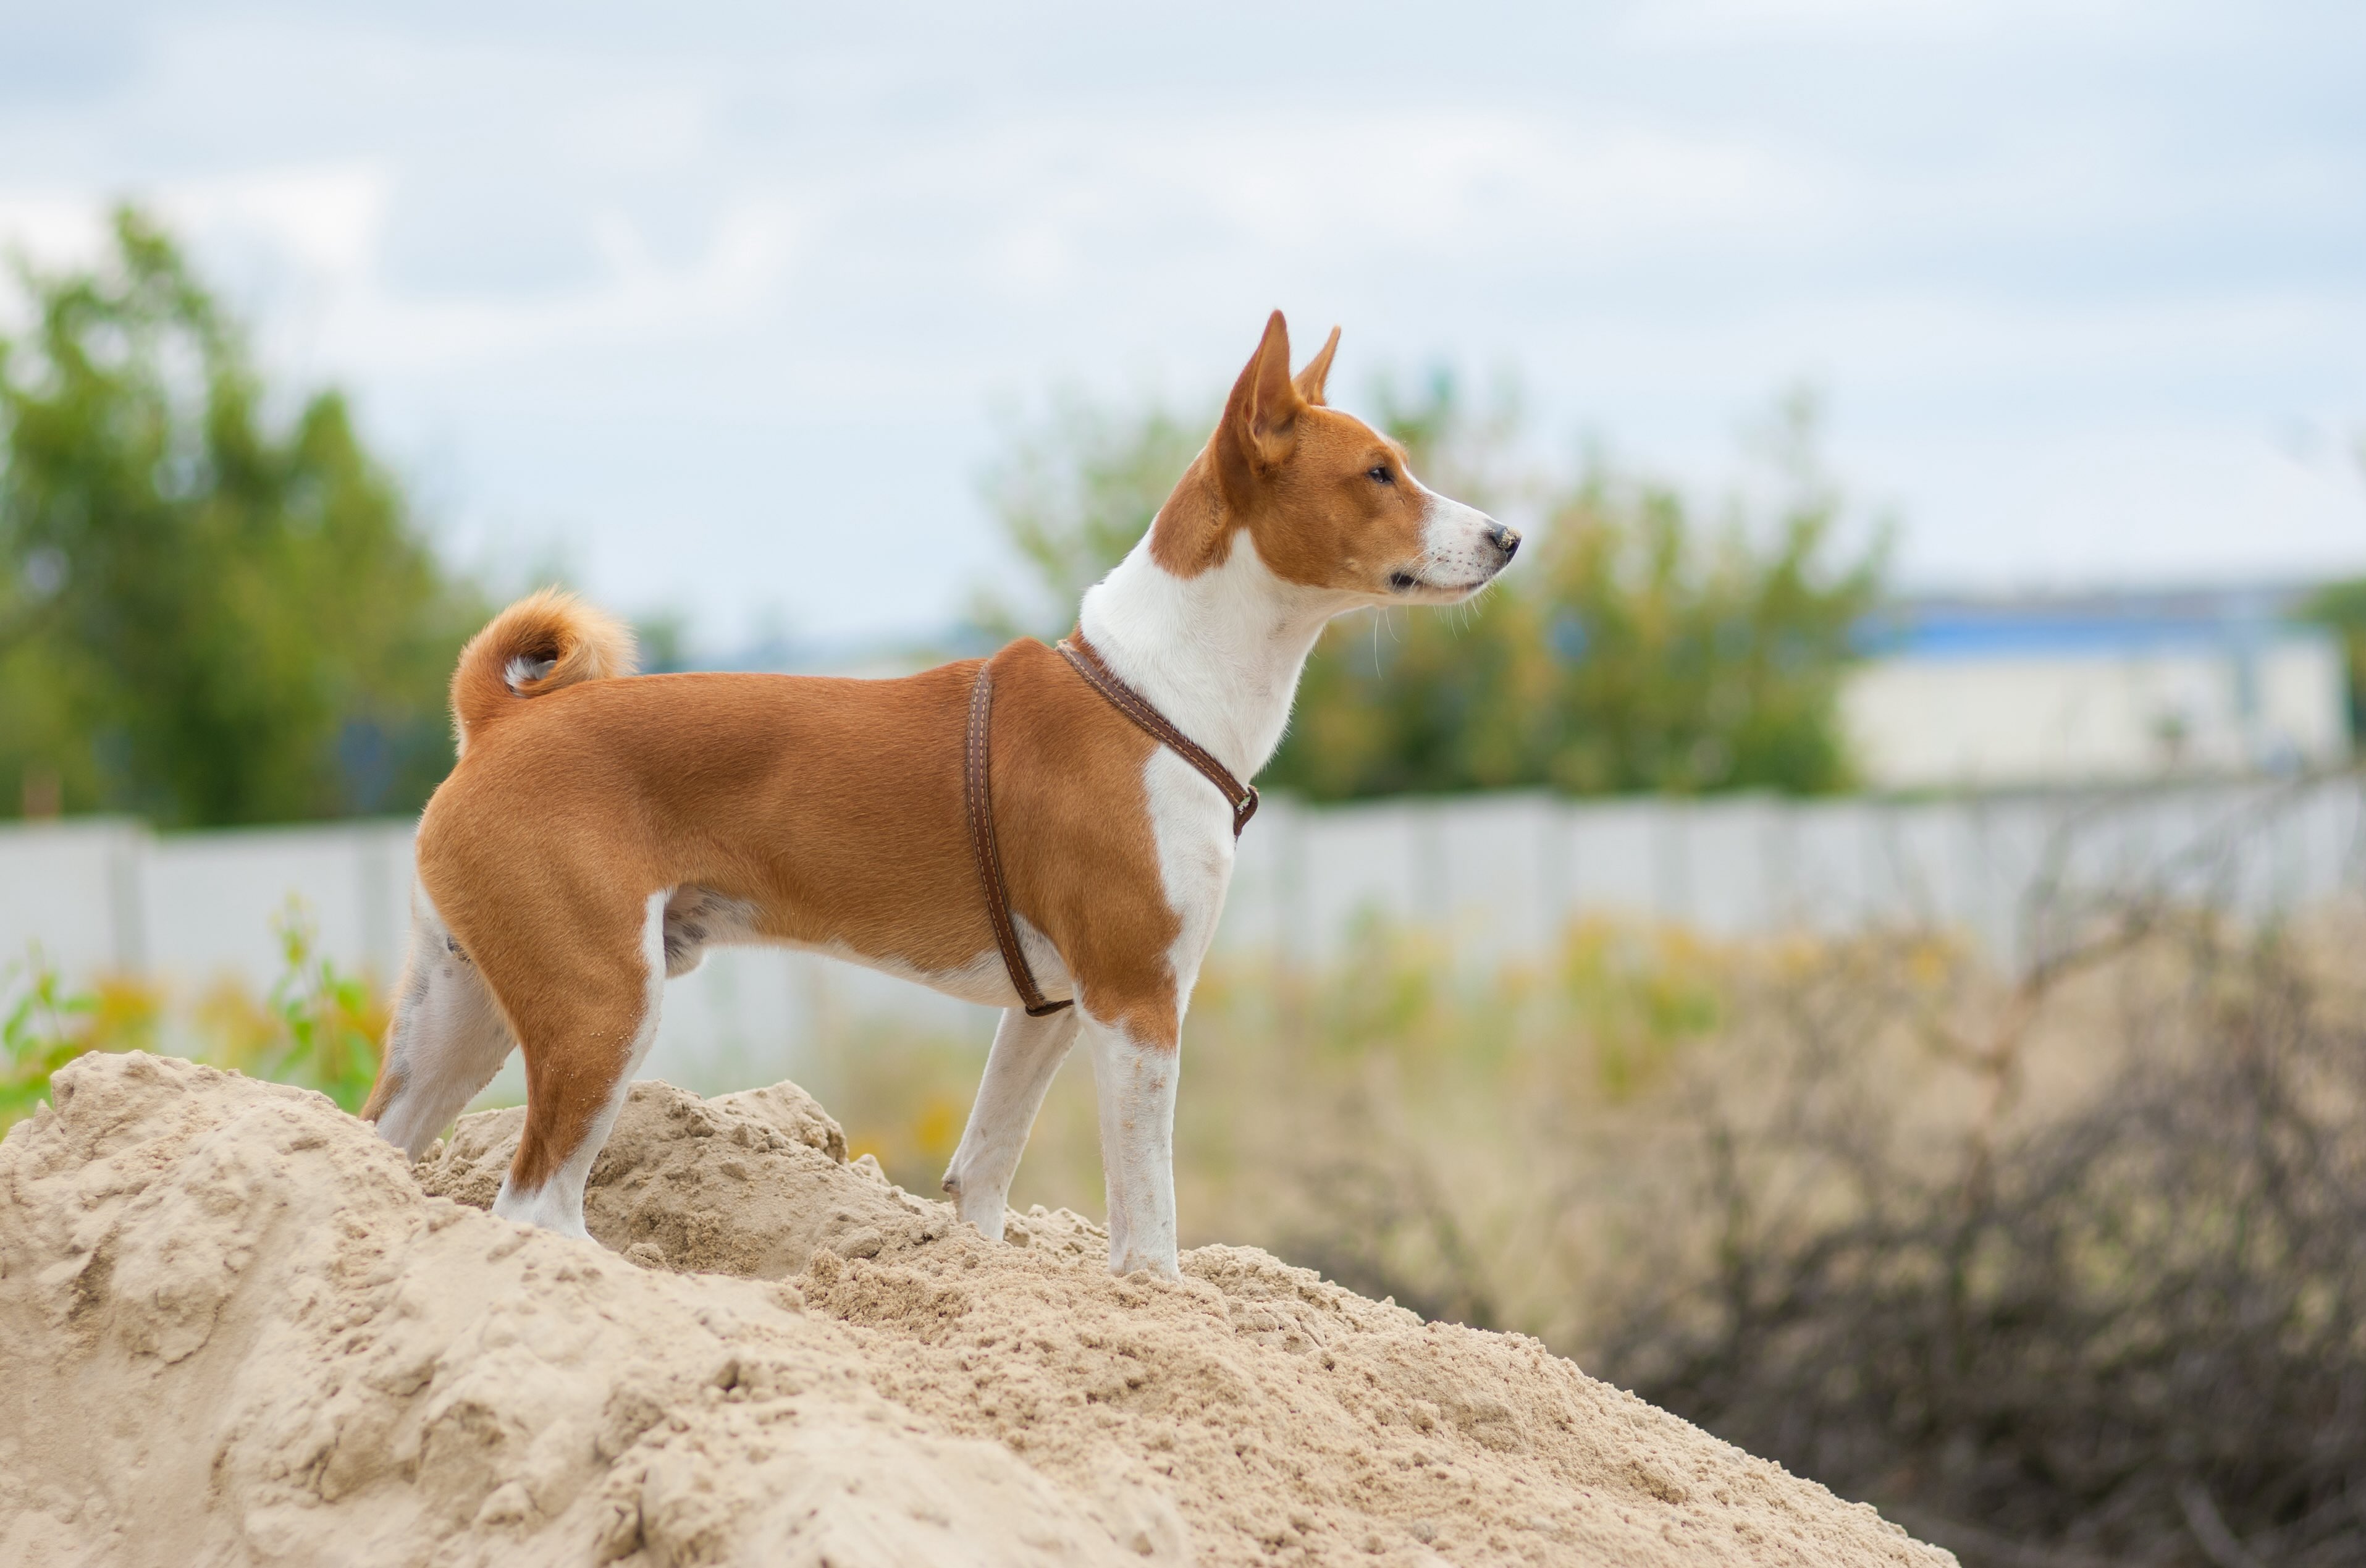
point(1076, 492)
point(1639, 648)
point(2340, 607)
point(207, 615)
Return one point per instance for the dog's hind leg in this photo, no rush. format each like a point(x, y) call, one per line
point(1027, 1052)
point(446, 1041)
point(584, 1026)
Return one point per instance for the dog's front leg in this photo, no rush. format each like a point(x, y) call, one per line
point(1027, 1052)
point(1134, 1081)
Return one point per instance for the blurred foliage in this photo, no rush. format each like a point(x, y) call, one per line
point(1638, 647)
point(208, 614)
point(2341, 606)
point(1075, 493)
point(317, 1027)
point(901, 1097)
point(1397, 1021)
point(46, 1029)
point(47, 1025)
point(662, 640)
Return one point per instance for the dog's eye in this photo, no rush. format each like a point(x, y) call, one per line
point(1380, 475)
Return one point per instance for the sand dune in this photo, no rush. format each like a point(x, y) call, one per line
point(235, 1327)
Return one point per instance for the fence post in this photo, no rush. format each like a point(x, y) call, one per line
point(127, 902)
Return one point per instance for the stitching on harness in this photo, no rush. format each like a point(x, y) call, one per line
point(977, 791)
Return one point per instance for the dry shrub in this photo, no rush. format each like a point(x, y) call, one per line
point(2116, 1323)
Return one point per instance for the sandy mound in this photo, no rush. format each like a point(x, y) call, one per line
point(234, 1328)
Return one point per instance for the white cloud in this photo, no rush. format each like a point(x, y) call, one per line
point(52, 228)
point(638, 300)
point(1727, 23)
point(327, 221)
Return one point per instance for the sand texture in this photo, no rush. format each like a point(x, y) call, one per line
point(235, 1327)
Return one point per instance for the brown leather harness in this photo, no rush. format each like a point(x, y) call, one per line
point(978, 796)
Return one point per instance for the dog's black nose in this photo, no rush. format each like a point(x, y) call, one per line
point(1505, 539)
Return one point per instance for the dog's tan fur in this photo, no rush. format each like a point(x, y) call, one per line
point(833, 806)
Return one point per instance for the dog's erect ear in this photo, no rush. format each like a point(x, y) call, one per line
point(1318, 370)
point(1261, 416)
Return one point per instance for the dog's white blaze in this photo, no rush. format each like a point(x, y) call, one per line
point(1191, 823)
point(558, 1203)
point(1457, 553)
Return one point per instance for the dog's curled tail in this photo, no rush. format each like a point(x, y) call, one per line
point(544, 641)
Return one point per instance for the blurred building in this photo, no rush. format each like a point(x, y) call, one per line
point(2097, 688)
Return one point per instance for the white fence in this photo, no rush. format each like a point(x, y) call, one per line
point(1495, 877)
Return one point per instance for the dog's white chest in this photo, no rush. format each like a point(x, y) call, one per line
point(1191, 824)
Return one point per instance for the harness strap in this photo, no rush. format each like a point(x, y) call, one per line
point(1136, 706)
point(978, 796)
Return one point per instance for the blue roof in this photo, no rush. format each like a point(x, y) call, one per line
point(2094, 625)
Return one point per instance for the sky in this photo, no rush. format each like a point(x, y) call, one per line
point(726, 310)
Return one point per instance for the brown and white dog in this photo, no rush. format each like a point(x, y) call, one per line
point(597, 834)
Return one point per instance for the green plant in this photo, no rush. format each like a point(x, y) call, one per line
point(42, 1033)
point(317, 1027)
point(2341, 607)
point(49, 1025)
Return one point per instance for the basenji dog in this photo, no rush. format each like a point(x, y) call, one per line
point(598, 832)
